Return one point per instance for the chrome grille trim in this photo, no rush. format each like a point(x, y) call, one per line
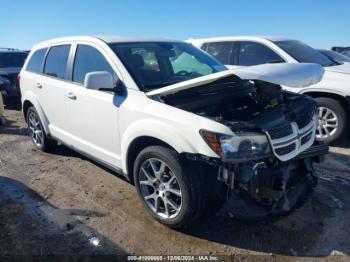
point(295, 138)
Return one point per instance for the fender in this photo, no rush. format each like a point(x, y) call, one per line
point(32, 98)
point(167, 134)
point(322, 90)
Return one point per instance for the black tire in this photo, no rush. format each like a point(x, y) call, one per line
point(47, 143)
point(342, 130)
point(188, 181)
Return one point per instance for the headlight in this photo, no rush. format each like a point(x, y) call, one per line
point(238, 148)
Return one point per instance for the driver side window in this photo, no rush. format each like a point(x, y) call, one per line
point(89, 59)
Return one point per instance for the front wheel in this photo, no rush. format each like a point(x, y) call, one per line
point(333, 121)
point(171, 193)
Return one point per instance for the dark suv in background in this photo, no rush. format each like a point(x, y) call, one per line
point(11, 62)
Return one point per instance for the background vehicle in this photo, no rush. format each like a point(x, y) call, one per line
point(11, 62)
point(343, 50)
point(335, 56)
point(174, 127)
point(332, 93)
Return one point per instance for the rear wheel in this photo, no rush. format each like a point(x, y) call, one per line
point(171, 193)
point(36, 130)
point(333, 121)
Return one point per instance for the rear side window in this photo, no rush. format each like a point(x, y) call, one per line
point(89, 59)
point(221, 51)
point(251, 53)
point(36, 61)
point(56, 61)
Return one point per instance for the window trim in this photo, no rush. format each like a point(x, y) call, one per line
point(239, 42)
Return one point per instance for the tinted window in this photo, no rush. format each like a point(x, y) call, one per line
point(251, 53)
point(12, 59)
point(205, 47)
point(36, 61)
point(221, 51)
point(337, 57)
point(304, 53)
point(89, 59)
point(56, 61)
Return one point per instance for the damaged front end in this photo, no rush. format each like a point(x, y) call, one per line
point(266, 166)
point(258, 189)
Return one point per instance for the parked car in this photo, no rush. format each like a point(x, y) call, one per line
point(332, 93)
point(173, 128)
point(335, 56)
point(343, 50)
point(11, 62)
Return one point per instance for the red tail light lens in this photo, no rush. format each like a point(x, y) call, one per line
point(18, 78)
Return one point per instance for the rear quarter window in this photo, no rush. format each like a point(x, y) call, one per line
point(56, 61)
point(36, 61)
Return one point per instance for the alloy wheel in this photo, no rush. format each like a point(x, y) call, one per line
point(160, 189)
point(327, 123)
point(35, 129)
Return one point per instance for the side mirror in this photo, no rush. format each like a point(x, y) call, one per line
point(99, 80)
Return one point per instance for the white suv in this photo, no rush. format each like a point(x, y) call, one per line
point(332, 93)
point(175, 122)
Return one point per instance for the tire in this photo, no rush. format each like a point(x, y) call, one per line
point(335, 108)
point(44, 143)
point(186, 181)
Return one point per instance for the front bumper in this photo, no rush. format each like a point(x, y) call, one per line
point(10, 94)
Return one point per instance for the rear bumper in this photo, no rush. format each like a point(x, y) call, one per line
point(10, 95)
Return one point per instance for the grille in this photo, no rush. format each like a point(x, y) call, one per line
point(281, 131)
point(285, 150)
point(306, 139)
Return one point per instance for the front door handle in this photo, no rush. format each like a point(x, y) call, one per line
point(72, 96)
point(38, 85)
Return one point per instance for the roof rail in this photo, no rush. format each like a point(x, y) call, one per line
point(9, 49)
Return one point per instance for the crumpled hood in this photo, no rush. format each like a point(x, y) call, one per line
point(344, 68)
point(288, 74)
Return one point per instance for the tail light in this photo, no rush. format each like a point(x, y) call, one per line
point(18, 78)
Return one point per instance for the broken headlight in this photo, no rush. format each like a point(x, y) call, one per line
point(238, 148)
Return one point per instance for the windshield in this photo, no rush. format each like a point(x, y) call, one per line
point(157, 64)
point(335, 56)
point(304, 53)
point(12, 59)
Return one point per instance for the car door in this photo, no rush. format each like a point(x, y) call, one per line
point(50, 88)
point(92, 114)
point(251, 53)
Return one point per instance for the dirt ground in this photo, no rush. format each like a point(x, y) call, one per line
point(61, 203)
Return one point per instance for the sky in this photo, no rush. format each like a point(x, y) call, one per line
point(319, 23)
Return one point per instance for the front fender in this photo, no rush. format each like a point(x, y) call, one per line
point(32, 98)
point(182, 140)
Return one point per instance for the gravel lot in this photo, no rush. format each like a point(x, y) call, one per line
point(62, 203)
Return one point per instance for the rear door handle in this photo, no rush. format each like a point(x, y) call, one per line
point(38, 85)
point(71, 95)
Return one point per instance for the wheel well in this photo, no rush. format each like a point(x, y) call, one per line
point(339, 98)
point(26, 106)
point(136, 146)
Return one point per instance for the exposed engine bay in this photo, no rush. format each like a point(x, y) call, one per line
point(268, 165)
